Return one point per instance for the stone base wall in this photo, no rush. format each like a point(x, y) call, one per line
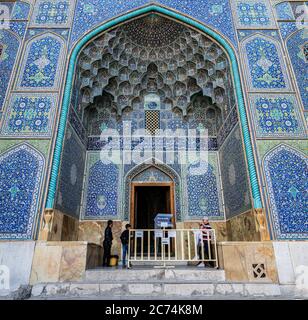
point(243, 227)
point(15, 263)
point(60, 261)
point(292, 261)
point(248, 261)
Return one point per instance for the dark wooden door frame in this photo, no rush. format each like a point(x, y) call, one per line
point(150, 184)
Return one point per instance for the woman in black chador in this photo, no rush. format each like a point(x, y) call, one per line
point(107, 244)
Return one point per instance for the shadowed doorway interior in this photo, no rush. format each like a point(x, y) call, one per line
point(150, 200)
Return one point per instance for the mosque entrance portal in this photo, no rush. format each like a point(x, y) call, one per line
point(148, 200)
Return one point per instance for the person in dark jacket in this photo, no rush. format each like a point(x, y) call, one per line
point(107, 244)
point(125, 239)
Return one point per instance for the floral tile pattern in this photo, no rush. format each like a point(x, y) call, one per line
point(215, 13)
point(101, 185)
point(71, 175)
point(284, 11)
point(234, 177)
point(21, 173)
point(52, 13)
point(20, 10)
point(286, 172)
point(276, 115)
point(203, 195)
point(29, 115)
point(252, 14)
point(297, 47)
point(43, 62)
point(9, 45)
point(265, 68)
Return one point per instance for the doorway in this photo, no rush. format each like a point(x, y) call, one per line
point(148, 200)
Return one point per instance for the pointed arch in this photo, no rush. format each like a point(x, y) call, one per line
point(142, 167)
point(182, 19)
point(21, 173)
point(264, 69)
point(10, 46)
point(43, 53)
point(286, 172)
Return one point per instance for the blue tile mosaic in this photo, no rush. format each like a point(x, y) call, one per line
point(43, 60)
point(21, 173)
point(286, 172)
point(202, 189)
point(252, 14)
point(152, 175)
point(71, 175)
point(242, 34)
point(19, 27)
point(20, 11)
point(52, 13)
point(234, 175)
point(286, 28)
point(277, 116)
point(29, 115)
point(284, 11)
point(9, 45)
point(215, 13)
point(265, 68)
point(296, 46)
point(102, 183)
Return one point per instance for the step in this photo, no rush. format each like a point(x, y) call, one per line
point(155, 290)
point(152, 274)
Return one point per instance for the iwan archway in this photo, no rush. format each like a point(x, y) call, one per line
point(110, 25)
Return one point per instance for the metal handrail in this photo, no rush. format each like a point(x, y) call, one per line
point(164, 246)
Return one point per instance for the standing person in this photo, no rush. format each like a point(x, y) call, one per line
point(107, 244)
point(125, 239)
point(205, 228)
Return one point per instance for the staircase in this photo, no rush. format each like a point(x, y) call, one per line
point(154, 283)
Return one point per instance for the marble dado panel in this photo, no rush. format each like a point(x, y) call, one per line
point(219, 227)
point(238, 258)
point(242, 227)
point(63, 261)
point(17, 256)
point(291, 259)
point(93, 231)
point(64, 227)
point(239, 228)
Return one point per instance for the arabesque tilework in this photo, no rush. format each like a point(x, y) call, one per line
point(252, 14)
point(297, 45)
point(276, 115)
point(21, 174)
point(90, 189)
point(29, 115)
point(52, 13)
point(286, 171)
point(43, 61)
point(9, 44)
point(265, 67)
